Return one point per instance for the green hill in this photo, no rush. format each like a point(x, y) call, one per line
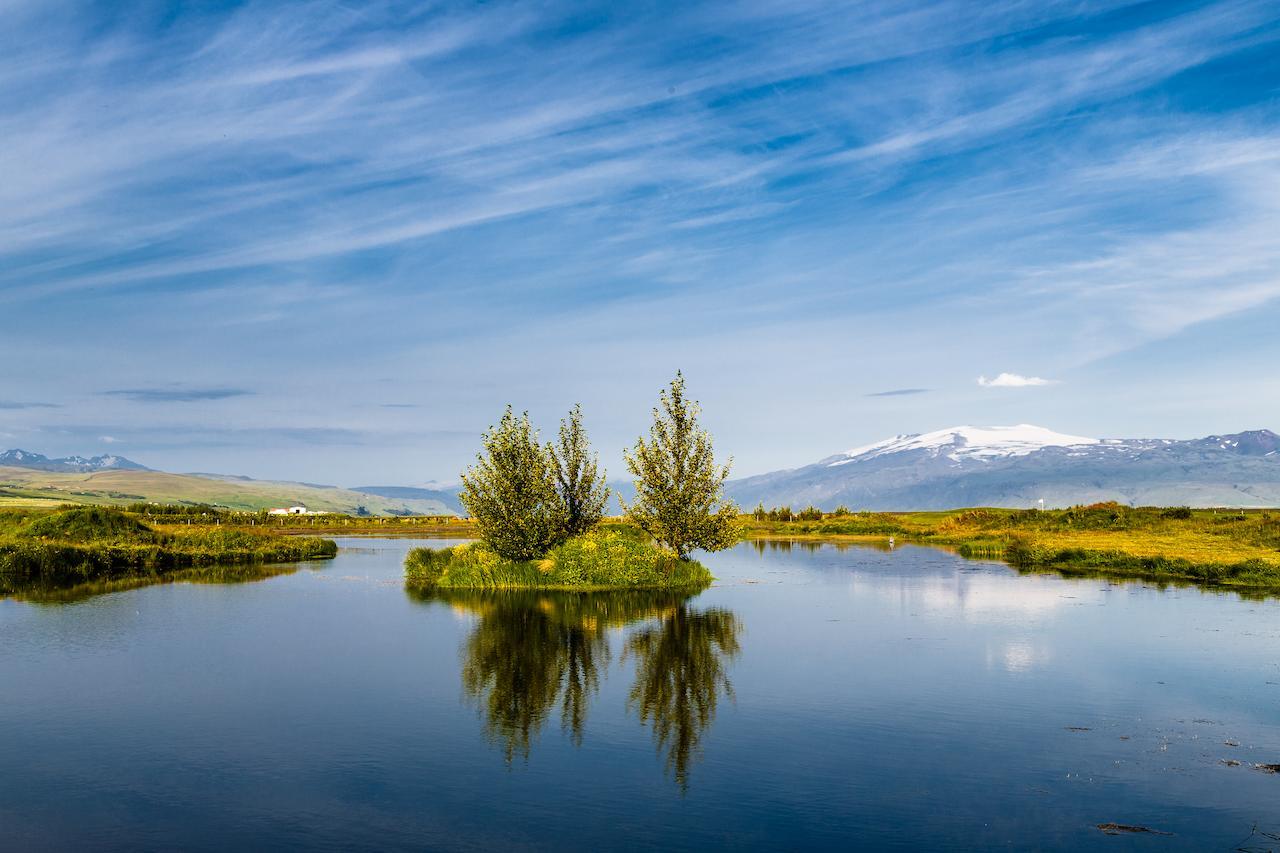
point(27, 487)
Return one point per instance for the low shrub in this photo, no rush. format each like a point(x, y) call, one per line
point(88, 524)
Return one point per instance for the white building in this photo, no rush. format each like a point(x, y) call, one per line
point(293, 510)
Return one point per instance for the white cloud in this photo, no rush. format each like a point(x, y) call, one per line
point(1014, 380)
point(108, 439)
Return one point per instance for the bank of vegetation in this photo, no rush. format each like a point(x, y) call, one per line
point(1227, 547)
point(450, 526)
point(537, 510)
point(85, 544)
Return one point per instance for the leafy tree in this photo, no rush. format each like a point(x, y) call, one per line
point(810, 513)
point(760, 513)
point(582, 490)
point(511, 491)
point(679, 487)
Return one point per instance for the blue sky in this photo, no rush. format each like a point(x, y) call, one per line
point(330, 241)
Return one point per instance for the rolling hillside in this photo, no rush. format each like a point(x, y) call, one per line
point(33, 487)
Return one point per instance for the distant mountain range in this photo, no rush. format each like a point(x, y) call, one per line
point(1016, 466)
point(447, 495)
point(73, 464)
point(1019, 466)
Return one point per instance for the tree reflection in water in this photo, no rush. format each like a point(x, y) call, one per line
point(526, 653)
point(532, 651)
point(680, 673)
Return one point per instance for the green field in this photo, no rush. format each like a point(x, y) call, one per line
point(25, 487)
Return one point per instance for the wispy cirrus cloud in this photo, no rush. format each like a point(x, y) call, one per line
point(1014, 380)
point(16, 405)
point(289, 184)
point(364, 112)
point(176, 395)
point(196, 435)
point(900, 392)
point(184, 432)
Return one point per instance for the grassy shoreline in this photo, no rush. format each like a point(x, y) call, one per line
point(1221, 548)
point(1224, 548)
point(89, 544)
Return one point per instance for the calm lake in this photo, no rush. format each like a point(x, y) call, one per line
point(812, 698)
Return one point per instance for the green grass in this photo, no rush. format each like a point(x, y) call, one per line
point(84, 544)
point(601, 559)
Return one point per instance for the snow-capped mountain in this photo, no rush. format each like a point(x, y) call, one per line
point(967, 442)
point(75, 464)
point(1017, 466)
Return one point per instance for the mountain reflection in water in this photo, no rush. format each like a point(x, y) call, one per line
point(533, 652)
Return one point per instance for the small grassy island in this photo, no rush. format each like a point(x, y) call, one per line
point(598, 560)
point(82, 544)
point(538, 508)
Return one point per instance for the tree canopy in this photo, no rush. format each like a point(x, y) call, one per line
point(511, 492)
point(679, 487)
point(580, 485)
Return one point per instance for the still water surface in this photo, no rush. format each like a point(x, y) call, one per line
point(812, 698)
